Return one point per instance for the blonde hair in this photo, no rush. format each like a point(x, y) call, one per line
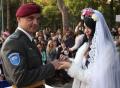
point(49, 48)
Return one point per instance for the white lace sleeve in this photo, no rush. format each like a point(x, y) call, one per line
point(76, 72)
point(80, 53)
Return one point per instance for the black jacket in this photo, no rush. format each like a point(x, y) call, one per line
point(22, 61)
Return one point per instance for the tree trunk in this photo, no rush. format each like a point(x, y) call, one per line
point(64, 11)
point(112, 15)
point(8, 16)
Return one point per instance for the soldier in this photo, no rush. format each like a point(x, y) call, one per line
point(22, 61)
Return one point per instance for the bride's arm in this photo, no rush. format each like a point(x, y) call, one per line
point(75, 71)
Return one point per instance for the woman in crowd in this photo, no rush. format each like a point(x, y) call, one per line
point(51, 51)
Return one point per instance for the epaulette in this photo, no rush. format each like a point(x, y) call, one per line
point(15, 35)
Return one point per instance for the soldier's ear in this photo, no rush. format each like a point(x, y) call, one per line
point(18, 19)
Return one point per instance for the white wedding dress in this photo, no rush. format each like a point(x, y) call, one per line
point(75, 72)
point(103, 71)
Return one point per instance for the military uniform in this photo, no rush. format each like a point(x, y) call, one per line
point(22, 62)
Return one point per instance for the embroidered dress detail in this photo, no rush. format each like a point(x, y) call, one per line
point(92, 51)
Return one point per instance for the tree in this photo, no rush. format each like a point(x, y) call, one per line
point(25, 1)
point(52, 16)
point(64, 11)
point(8, 16)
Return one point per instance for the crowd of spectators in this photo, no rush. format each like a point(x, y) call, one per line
point(53, 44)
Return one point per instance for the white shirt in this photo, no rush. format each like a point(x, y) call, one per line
point(26, 33)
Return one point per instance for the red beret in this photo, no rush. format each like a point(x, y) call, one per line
point(28, 9)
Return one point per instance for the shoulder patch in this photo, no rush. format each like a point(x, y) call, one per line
point(14, 58)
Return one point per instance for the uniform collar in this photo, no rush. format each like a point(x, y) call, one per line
point(26, 33)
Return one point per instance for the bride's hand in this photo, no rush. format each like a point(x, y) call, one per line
point(63, 58)
point(64, 65)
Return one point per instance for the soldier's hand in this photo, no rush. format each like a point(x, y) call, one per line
point(64, 65)
point(55, 64)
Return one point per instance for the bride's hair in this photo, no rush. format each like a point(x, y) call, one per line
point(90, 23)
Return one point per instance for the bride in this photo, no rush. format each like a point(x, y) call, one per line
point(96, 64)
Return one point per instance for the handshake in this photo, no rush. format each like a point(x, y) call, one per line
point(62, 63)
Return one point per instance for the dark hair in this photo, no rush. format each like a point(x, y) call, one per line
point(89, 22)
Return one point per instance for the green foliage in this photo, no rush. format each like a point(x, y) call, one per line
point(51, 15)
point(50, 11)
point(51, 2)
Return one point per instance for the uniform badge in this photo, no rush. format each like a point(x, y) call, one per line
point(14, 58)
